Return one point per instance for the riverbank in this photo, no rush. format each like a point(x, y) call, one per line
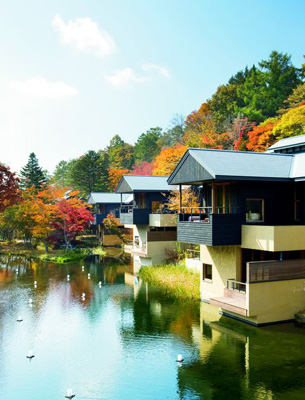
point(175, 280)
point(55, 256)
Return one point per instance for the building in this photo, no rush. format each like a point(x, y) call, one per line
point(103, 205)
point(250, 228)
point(154, 227)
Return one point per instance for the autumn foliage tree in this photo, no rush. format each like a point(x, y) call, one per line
point(115, 175)
point(167, 160)
point(142, 168)
point(9, 193)
point(261, 137)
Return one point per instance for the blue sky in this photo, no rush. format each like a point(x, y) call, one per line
point(74, 73)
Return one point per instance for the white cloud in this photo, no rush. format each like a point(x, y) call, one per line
point(124, 78)
point(156, 68)
point(85, 35)
point(39, 87)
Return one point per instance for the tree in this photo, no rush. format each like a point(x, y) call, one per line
point(32, 174)
point(175, 132)
point(62, 173)
point(201, 130)
point(147, 146)
point(72, 218)
point(9, 193)
point(266, 87)
point(115, 175)
point(167, 160)
point(296, 99)
point(292, 123)
point(121, 154)
point(89, 173)
point(189, 199)
point(261, 137)
point(142, 168)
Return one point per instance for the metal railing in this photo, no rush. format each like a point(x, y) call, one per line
point(233, 284)
point(195, 214)
point(193, 254)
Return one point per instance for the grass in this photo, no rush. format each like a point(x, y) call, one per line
point(56, 256)
point(174, 279)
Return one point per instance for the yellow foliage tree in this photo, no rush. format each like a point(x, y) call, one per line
point(292, 123)
point(167, 160)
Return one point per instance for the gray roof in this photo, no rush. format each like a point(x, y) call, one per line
point(210, 164)
point(143, 183)
point(100, 197)
point(287, 142)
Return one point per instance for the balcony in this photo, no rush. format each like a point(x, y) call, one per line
point(130, 215)
point(198, 225)
point(274, 292)
point(162, 220)
point(273, 238)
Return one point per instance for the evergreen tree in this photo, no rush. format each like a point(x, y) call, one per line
point(90, 172)
point(147, 146)
point(32, 174)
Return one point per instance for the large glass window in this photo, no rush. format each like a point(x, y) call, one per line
point(255, 210)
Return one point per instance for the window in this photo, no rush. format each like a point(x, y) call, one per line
point(222, 198)
point(207, 272)
point(137, 241)
point(255, 210)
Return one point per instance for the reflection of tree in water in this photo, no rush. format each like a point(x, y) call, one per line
point(242, 362)
point(156, 313)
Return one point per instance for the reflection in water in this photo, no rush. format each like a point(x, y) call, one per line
point(122, 340)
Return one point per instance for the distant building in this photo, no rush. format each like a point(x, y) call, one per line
point(154, 231)
point(103, 205)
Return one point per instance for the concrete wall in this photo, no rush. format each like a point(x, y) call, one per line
point(163, 220)
point(140, 230)
point(275, 301)
point(193, 265)
point(273, 238)
point(226, 264)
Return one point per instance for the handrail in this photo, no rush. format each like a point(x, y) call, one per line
point(233, 284)
point(195, 254)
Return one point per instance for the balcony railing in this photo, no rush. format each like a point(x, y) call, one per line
point(193, 254)
point(204, 227)
point(134, 215)
point(234, 285)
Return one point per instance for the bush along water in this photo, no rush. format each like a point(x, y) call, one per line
point(174, 279)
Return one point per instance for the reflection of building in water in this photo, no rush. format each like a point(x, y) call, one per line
point(241, 362)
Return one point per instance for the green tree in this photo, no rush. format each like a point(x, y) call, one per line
point(32, 174)
point(121, 154)
point(62, 173)
point(266, 87)
point(147, 146)
point(89, 173)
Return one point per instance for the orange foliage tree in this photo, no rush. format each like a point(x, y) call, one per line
point(167, 160)
point(261, 137)
point(115, 175)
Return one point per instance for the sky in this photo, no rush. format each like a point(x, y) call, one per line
point(75, 73)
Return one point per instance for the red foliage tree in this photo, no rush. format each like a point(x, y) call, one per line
point(261, 137)
point(142, 168)
point(9, 192)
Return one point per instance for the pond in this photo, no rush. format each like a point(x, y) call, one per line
point(122, 339)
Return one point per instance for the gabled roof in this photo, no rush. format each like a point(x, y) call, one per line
point(199, 165)
point(143, 183)
point(286, 143)
point(100, 197)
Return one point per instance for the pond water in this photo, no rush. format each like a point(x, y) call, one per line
point(121, 341)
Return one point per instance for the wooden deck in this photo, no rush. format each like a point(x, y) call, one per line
point(231, 301)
